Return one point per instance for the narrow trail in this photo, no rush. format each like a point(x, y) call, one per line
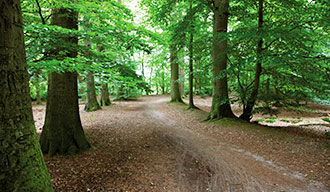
point(145, 145)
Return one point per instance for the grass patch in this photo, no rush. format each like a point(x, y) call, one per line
point(89, 137)
point(296, 121)
point(285, 121)
point(270, 121)
point(227, 122)
point(260, 120)
point(326, 119)
point(90, 118)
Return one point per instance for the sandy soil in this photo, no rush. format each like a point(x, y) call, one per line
point(150, 145)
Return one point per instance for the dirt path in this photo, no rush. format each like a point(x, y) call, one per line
point(147, 145)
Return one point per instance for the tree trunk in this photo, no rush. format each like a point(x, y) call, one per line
point(163, 83)
point(91, 104)
point(191, 72)
point(62, 132)
point(175, 90)
point(157, 93)
point(21, 161)
point(197, 77)
point(105, 97)
point(181, 82)
point(248, 109)
point(38, 94)
point(220, 99)
point(268, 85)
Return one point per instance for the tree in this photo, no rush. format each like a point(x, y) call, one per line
point(21, 161)
point(220, 99)
point(191, 60)
point(91, 102)
point(175, 90)
point(105, 97)
point(248, 108)
point(62, 132)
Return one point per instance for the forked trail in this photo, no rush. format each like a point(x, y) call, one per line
point(148, 145)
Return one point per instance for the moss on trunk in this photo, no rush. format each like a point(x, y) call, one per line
point(21, 161)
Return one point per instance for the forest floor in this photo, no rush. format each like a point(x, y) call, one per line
point(151, 145)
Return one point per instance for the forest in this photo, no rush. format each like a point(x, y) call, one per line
point(164, 95)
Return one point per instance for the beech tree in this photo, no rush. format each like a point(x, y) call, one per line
point(91, 101)
point(21, 161)
point(248, 108)
point(62, 132)
point(175, 90)
point(220, 99)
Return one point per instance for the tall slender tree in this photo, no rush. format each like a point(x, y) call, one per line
point(220, 99)
point(91, 103)
point(62, 132)
point(191, 60)
point(248, 108)
point(175, 89)
point(21, 161)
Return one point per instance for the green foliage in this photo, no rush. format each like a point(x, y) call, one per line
point(134, 58)
point(270, 121)
point(327, 133)
point(326, 119)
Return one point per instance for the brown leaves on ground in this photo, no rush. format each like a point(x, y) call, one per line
point(147, 145)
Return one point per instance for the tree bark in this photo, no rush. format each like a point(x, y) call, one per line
point(163, 82)
point(220, 99)
point(21, 161)
point(197, 77)
point(105, 97)
point(175, 90)
point(248, 109)
point(91, 104)
point(62, 132)
point(181, 82)
point(38, 93)
point(191, 73)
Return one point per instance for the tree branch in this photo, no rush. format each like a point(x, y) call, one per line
point(40, 13)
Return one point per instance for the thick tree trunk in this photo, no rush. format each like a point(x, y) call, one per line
point(248, 109)
point(21, 161)
point(105, 97)
point(175, 90)
point(91, 104)
point(220, 99)
point(62, 132)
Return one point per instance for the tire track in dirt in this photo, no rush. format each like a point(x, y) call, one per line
point(146, 145)
point(205, 164)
